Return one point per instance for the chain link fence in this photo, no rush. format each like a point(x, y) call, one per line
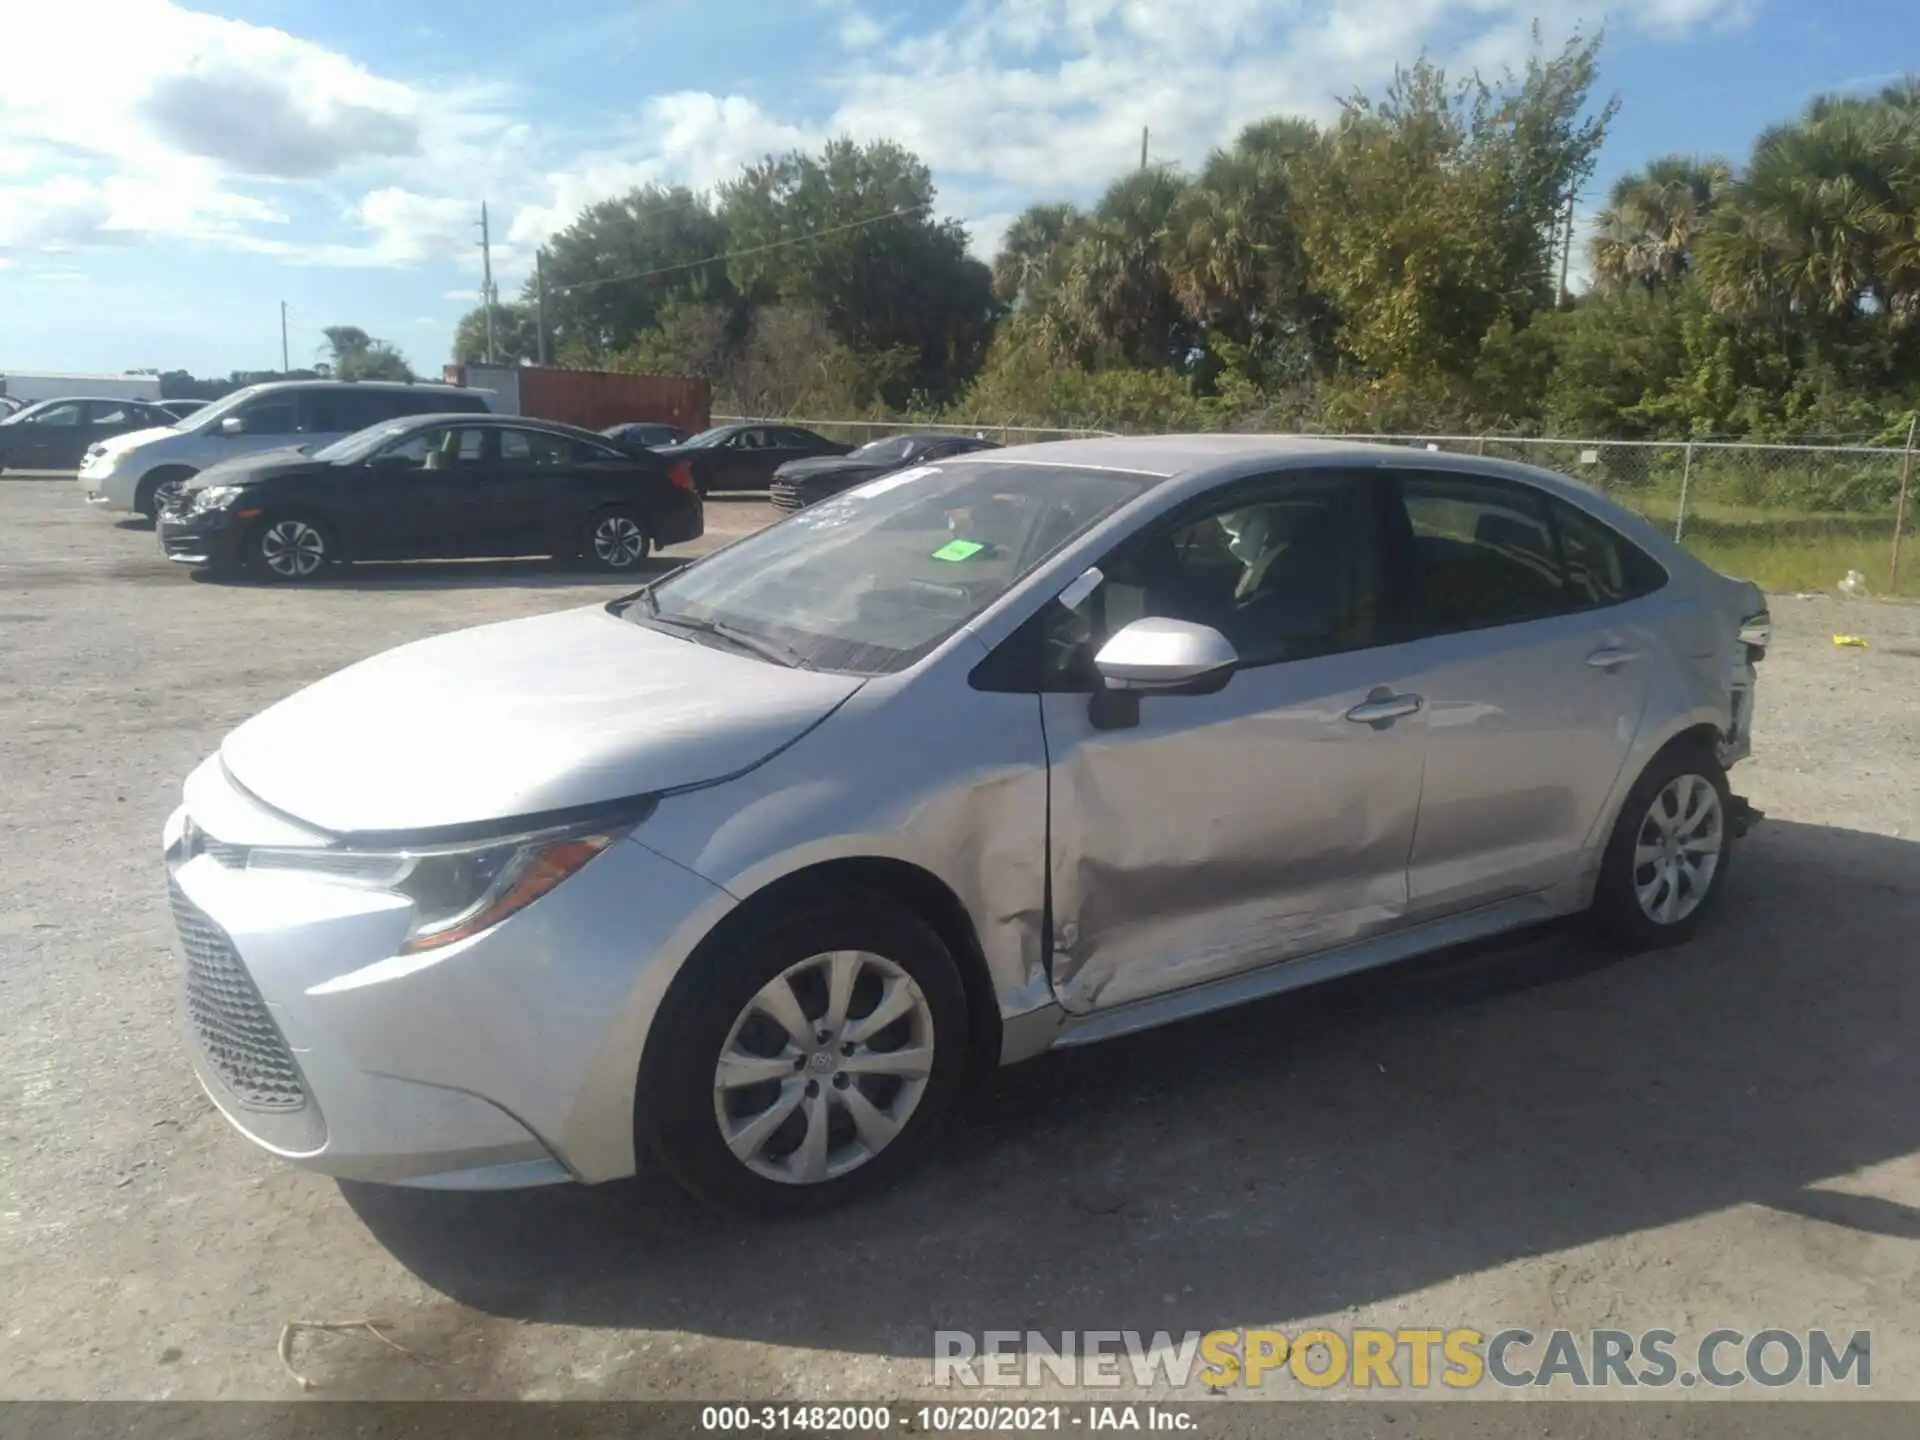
point(1791, 517)
point(859, 432)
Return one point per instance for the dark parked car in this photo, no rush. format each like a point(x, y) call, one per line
point(434, 486)
point(800, 483)
point(180, 409)
point(54, 434)
point(744, 457)
point(646, 435)
point(10, 406)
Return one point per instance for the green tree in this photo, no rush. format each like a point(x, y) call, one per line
point(621, 262)
point(352, 354)
point(516, 335)
point(1647, 234)
point(1426, 214)
point(1825, 220)
point(1119, 299)
point(1030, 266)
point(849, 235)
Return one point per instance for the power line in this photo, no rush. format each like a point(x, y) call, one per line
point(809, 237)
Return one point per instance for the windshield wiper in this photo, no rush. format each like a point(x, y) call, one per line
point(765, 646)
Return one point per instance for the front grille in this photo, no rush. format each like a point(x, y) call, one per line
point(237, 1035)
point(785, 495)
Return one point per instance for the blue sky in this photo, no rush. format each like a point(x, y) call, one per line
point(170, 172)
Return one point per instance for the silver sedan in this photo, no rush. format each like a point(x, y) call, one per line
point(746, 875)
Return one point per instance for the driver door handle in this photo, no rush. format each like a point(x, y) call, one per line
point(1608, 657)
point(1379, 708)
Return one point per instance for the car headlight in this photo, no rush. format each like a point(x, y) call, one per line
point(457, 890)
point(214, 497)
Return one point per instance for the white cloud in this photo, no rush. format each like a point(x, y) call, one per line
point(192, 125)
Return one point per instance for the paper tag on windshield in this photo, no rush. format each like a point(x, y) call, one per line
point(958, 550)
point(891, 482)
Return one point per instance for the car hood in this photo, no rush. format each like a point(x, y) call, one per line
point(521, 718)
point(242, 468)
point(833, 465)
point(133, 439)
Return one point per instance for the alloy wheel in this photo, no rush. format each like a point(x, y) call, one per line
point(164, 494)
point(293, 548)
point(1677, 852)
point(618, 542)
point(824, 1067)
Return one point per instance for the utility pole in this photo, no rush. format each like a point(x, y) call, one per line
point(285, 367)
point(486, 273)
point(1143, 147)
point(540, 303)
point(1566, 255)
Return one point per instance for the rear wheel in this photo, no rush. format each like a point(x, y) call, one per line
point(1667, 860)
point(808, 1060)
point(288, 548)
point(617, 540)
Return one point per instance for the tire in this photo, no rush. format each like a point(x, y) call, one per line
point(147, 500)
point(289, 547)
point(1631, 905)
point(617, 541)
point(717, 1006)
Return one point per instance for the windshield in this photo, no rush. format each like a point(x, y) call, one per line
point(211, 414)
point(366, 442)
point(894, 447)
point(873, 580)
point(708, 438)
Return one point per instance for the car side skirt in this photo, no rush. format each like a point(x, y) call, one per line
point(1051, 1028)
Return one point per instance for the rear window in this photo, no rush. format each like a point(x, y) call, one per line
point(1603, 567)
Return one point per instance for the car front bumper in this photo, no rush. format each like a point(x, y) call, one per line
point(506, 1060)
point(210, 539)
point(105, 489)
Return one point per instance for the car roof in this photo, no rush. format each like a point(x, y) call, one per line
point(489, 420)
point(87, 399)
point(401, 385)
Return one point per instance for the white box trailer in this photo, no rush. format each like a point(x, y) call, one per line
point(31, 385)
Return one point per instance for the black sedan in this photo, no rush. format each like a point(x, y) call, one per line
point(744, 457)
point(433, 486)
point(646, 435)
point(55, 434)
point(800, 483)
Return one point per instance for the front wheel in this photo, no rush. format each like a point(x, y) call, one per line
point(1667, 860)
point(616, 541)
point(289, 548)
point(159, 490)
point(809, 1060)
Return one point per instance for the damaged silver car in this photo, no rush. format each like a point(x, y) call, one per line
point(746, 875)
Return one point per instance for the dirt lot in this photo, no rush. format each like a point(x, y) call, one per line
point(1722, 1136)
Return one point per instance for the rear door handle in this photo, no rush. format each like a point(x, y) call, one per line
point(1382, 709)
point(1608, 657)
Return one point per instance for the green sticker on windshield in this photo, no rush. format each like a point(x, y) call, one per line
point(958, 550)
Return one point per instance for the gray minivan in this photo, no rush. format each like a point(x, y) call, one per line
point(141, 471)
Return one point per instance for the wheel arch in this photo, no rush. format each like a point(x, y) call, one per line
point(327, 523)
point(912, 886)
point(154, 477)
point(1697, 728)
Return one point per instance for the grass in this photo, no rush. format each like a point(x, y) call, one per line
point(1786, 549)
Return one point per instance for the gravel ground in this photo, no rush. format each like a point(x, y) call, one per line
point(1533, 1134)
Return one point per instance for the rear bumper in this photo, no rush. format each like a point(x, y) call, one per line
point(678, 526)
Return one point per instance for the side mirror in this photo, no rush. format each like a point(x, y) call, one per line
point(1167, 656)
point(233, 425)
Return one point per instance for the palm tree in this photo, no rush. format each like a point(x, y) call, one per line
point(1824, 219)
point(352, 354)
point(1234, 250)
point(1647, 233)
point(1029, 267)
point(1118, 292)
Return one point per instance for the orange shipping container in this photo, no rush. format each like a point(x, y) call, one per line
point(594, 399)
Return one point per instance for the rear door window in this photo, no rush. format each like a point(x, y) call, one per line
point(347, 410)
point(1603, 567)
point(1475, 553)
point(536, 448)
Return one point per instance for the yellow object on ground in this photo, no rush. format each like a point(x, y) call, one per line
point(1854, 640)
